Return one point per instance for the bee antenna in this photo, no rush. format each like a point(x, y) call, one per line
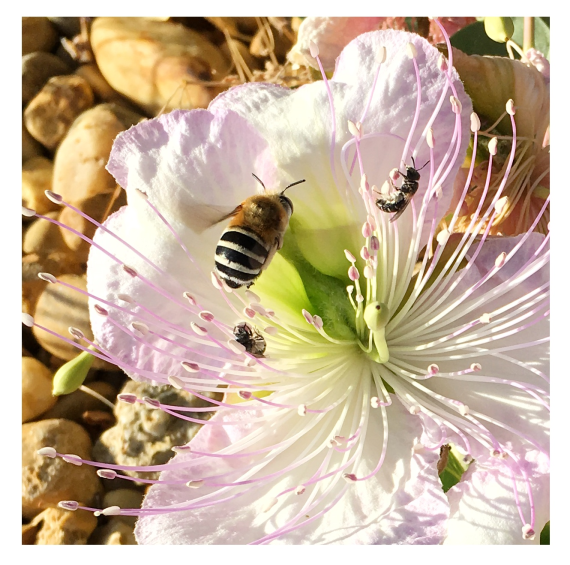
point(292, 184)
point(259, 181)
point(414, 163)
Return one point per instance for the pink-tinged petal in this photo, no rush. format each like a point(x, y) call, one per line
point(298, 128)
point(483, 506)
point(395, 94)
point(164, 273)
point(196, 165)
point(330, 35)
point(403, 504)
point(507, 397)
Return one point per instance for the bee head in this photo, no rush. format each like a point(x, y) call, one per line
point(287, 204)
point(412, 173)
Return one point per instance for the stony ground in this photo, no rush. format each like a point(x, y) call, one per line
point(84, 80)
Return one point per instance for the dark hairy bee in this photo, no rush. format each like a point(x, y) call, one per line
point(396, 202)
point(250, 338)
point(253, 236)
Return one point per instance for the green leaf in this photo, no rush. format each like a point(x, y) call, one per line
point(545, 534)
point(541, 35)
point(474, 41)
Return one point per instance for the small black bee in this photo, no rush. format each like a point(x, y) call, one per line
point(250, 338)
point(398, 201)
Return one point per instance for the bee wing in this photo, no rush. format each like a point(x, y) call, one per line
point(399, 212)
point(204, 216)
point(274, 248)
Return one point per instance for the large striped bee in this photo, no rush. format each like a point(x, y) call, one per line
point(253, 236)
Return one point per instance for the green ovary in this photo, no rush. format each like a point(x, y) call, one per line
point(294, 282)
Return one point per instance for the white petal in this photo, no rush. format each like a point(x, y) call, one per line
point(483, 509)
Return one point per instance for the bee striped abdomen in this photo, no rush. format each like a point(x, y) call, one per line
point(240, 254)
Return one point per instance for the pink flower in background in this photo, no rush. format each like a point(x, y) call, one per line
point(451, 25)
point(378, 351)
point(333, 34)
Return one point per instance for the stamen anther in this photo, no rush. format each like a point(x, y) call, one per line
point(175, 382)
point(455, 104)
point(76, 332)
point(433, 369)
point(215, 281)
point(528, 532)
point(100, 310)
point(430, 139)
point(47, 277)
point(252, 297)
point(111, 511)
point(353, 273)
point(353, 129)
point(198, 330)
point(73, 459)
point(195, 484)
point(47, 452)
point(485, 319)
point(151, 402)
point(500, 260)
point(308, 316)
point(511, 107)
point(500, 204)
point(140, 327)
point(128, 398)
point(313, 49)
point(206, 316)
point(475, 122)
point(130, 271)
point(443, 236)
point(317, 322)
point(411, 51)
point(55, 198)
point(27, 320)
